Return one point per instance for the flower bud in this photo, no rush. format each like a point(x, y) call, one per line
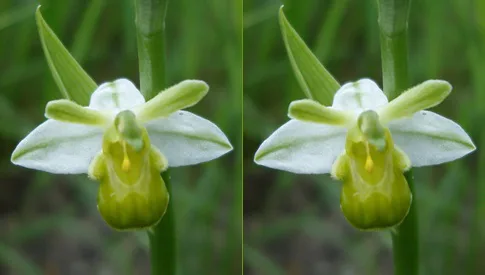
point(375, 193)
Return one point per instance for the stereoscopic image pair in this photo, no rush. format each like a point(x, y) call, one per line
point(242, 137)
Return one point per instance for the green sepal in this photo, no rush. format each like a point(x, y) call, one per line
point(75, 84)
point(312, 111)
point(67, 111)
point(182, 95)
point(317, 83)
point(420, 97)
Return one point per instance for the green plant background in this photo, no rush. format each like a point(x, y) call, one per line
point(293, 223)
point(49, 224)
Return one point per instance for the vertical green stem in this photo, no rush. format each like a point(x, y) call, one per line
point(162, 239)
point(405, 241)
point(393, 23)
point(150, 27)
point(394, 55)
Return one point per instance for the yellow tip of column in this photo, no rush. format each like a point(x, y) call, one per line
point(125, 166)
point(369, 164)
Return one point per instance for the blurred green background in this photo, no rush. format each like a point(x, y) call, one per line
point(293, 223)
point(49, 224)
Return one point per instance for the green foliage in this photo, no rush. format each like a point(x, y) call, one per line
point(73, 82)
point(316, 82)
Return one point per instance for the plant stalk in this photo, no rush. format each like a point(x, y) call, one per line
point(393, 24)
point(162, 239)
point(150, 28)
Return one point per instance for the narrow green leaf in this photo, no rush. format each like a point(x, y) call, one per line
point(317, 83)
point(72, 80)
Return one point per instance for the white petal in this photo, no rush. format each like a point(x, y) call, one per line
point(59, 147)
point(185, 139)
point(116, 96)
point(428, 138)
point(302, 147)
point(359, 96)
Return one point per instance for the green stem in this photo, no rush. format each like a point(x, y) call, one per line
point(405, 238)
point(394, 55)
point(162, 239)
point(393, 22)
point(150, 27)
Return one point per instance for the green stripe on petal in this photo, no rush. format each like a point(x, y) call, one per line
point(302, 148)
point(186, 139)
point(182, 95)
point(59, 147)
point(423, 96)
point(429, 139)
point(67, 111)
point(311, 111)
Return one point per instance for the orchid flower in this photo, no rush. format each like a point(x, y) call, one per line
point(124, 142)
point(368, 143)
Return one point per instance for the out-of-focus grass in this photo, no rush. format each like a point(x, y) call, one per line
point(293, 224)
point(49, 224)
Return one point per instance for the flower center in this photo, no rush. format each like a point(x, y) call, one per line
point(130, 134)
point(372, 130)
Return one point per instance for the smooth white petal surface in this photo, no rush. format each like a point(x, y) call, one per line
point(359, 96)
point(428, 138)
point(116, 96)
point(59, 147)
point(302, 147)
point(185, 139)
